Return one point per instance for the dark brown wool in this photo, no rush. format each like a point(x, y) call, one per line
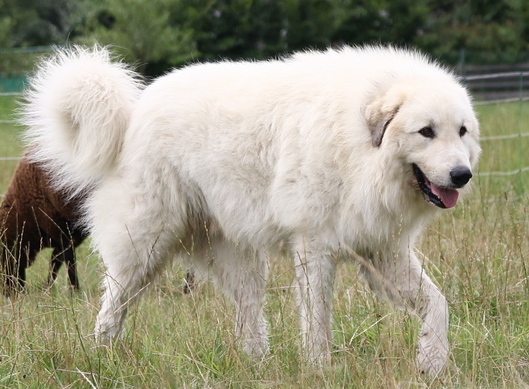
point(34, 216)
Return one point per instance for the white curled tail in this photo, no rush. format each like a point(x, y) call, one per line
point(77, 110)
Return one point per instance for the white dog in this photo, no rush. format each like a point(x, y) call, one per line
point(330, 152)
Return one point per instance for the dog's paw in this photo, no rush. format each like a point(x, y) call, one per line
point(256, 347)
point(433, 354)
point(105, 335)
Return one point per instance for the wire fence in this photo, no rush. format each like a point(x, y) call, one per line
point(498, 87)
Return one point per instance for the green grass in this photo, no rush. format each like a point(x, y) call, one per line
point(478, 254)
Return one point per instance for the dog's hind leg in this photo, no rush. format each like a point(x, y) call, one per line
point(315, 274)
point(134, 242)
point(242, 275)
point(402, 279)
point(131, 264)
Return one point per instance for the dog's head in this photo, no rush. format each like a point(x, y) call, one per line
point(430, 126)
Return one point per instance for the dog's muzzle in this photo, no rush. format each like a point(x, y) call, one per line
point(442, 197)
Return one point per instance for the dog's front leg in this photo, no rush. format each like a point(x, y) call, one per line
point(429, 303)
point(403, 281)
point(433, 342)
point(315, 273)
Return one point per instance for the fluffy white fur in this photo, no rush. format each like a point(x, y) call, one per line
point(220, 162)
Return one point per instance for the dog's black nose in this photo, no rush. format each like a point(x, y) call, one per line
point(460, 176)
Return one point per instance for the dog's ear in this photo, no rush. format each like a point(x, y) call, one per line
point(380, 113)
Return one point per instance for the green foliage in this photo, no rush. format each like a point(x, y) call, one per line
point(498, 28)
point(140, 30)
point(35, 22)
point(6, 25)
point(160, 34)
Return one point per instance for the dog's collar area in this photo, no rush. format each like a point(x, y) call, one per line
point(440, 197)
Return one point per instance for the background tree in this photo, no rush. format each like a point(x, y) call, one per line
point(489, 31)
point(160, 34)
point(30, 23)
point(139, 30)
point(36, 23)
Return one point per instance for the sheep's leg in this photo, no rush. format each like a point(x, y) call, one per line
point(63, 255)
point(69, 259)
point(15, 278)
point(55, 265)
point(14, 263)
point(189, 282)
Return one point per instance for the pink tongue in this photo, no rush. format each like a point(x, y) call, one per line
point(447, 196)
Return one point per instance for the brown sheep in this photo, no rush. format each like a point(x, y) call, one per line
point(34, 216)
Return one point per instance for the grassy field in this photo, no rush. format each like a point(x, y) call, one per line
point(478, 254)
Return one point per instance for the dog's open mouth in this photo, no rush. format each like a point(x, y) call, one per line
point(441, 197)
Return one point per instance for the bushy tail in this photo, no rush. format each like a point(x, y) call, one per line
point(77, 110)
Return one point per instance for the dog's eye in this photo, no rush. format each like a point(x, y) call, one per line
point(427, 132)
point(462, 131)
